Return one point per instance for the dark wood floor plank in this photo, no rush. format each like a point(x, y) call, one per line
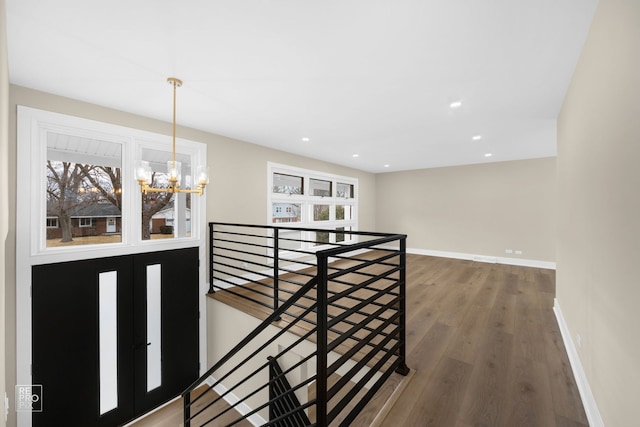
point(485, 402)
point(567, 422)
point(442, 395)
point(503, 313)
point(529, 398)
point(469, 334)
point(566, 397)
point(529, 335)
point(424, 360)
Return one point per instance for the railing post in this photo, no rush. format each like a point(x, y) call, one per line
point(211, 290)
point(276, 267)
point(187, 409)
point(322, 320)
point(403, 369)
point(272, 394)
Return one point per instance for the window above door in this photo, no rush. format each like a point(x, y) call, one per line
point(77, 192)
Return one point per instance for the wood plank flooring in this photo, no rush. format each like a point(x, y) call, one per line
point(172, 414)
point(485, 347)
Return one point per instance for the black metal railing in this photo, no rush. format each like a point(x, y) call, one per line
point(283, 403)
point(338, 300)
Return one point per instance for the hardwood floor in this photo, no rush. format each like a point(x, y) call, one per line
point(485, 347)
point(172, 414)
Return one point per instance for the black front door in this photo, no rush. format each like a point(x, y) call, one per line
point(179, 322)
point(93, 321)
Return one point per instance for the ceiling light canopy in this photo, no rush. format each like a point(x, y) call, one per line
point(144, 172)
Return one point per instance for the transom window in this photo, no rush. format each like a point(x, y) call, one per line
point(311, 199)
point(80, 189)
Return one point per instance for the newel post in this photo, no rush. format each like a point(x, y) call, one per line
point(403, 369)
point(322, 368)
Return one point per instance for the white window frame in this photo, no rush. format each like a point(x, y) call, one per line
point(307, 201)
point(83, 219)
point(32, 128)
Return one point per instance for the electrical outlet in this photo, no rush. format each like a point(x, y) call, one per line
point(509, 251)
point(518, 252)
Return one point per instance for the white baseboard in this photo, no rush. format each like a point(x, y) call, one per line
point(588, 400)
point(232, 400)
point(485, 258)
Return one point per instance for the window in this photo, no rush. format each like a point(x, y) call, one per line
point(287, 184)
point(320, 187)
point(83, 180)
point(79, 186)
point(166, 215)
point(345, 191)
point(306, 198)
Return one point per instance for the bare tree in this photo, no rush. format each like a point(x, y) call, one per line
point(152, 203)
point(107, 181)
point(67, 193)
point(64, 181)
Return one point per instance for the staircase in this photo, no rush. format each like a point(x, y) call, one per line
point(332, 324)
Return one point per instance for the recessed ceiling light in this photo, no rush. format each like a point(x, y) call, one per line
point(305, 139)
point(386, 166)
point(488, 154)
point(476, 137)
point(356, 155)
point(455, 104)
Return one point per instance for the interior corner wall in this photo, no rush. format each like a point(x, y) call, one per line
point(598, 243)
point(4, 198)
point(481, 209)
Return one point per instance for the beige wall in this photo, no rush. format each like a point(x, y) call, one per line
point(236, 167)
point(478, 209)
point(4, 192)
point(598, 286)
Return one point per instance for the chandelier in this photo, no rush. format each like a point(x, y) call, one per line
point(144, 172)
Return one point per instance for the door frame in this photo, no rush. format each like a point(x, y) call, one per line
point(29, 129)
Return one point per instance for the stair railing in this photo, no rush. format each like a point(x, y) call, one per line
point(340, 334)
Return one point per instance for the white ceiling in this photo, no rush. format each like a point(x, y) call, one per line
point(367, 77)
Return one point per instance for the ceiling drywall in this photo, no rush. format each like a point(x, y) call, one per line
point(370, 78)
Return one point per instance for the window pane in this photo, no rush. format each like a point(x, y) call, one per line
point(342, 237)
point(289, 239)
point(319, 188)
point(344, 212)
point(166, 215)
point(84, 190)
point(344, 190)
point(321, 212)
point(285, 212)
point(321, 238)
point(287, 184)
